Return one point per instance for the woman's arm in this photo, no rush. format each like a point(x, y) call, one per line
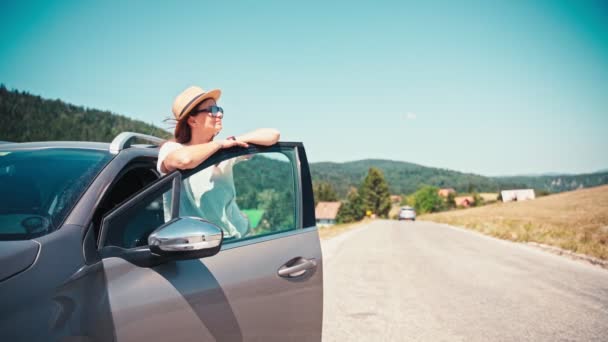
point(262, 136)
point(190, 157)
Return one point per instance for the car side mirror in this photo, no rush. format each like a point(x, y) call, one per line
point(191, 237)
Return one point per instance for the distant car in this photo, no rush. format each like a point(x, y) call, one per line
point(96, 246)
point(407, 213)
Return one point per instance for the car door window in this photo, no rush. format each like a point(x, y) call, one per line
point(247, 196)
point(133, 223)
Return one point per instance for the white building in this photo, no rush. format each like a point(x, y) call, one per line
point(517, 195)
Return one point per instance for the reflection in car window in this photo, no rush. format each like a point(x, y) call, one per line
point(246, 196)
point(38, 188)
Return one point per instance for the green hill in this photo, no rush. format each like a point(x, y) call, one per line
point(402, 177)
point(27, 117)
point(405, 178)
point(559, 183)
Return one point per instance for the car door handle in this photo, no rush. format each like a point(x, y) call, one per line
point(297, 267)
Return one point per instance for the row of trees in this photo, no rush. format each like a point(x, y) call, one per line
point(27, 117)
point(427, 200)
point(371, 196)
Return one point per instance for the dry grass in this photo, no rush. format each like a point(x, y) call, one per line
point(489, 196)
point(329, 232)
point(576, 220)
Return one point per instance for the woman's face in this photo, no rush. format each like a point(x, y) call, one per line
point(204, 121)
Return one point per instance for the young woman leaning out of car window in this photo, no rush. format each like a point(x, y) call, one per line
point(199, 120)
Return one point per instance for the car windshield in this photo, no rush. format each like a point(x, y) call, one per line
point(39, 187)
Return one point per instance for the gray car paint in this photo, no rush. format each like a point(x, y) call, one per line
point(56, 297)
point(16, 256)
point(62, 294)
point(235, 295)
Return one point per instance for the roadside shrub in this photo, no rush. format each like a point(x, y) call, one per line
point(427, 200)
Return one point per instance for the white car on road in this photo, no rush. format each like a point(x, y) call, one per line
point(407, 213)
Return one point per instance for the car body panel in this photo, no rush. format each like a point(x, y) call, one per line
point(37, 145)
point(69, 291)
point(16, 256)
point(407, 213)
point(235, 295)
point(57, 296)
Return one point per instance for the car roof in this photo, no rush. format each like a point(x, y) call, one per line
point(85, 145)
point(122, 141)
point(88, 145)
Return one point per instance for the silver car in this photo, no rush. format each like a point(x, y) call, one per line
point(407, 213)
point(96, 246)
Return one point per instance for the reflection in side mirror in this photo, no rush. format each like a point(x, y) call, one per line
point(186, 235)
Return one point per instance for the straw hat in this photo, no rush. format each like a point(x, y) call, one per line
point(189, 99)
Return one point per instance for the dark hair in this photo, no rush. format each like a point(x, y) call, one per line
point(184, 133)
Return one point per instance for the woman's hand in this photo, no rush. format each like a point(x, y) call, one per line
point(231, 143)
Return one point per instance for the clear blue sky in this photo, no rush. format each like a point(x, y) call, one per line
point(491, 87)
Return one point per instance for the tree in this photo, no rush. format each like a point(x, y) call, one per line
point(477, 199)
point(374, 192)
point(450, 202)
point(471, 188)
point(427, 200)
point(27, 117)
point(542, 192)
point(324, 192)
point(278, 211)
point(351, 210)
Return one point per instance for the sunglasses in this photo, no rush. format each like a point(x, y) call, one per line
point(212, 111)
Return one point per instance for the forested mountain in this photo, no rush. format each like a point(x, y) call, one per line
point(26, 117)
point(402, 177)
point(558, 183)
point(405, 178)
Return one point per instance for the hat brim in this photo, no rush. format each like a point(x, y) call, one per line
point(211, 94)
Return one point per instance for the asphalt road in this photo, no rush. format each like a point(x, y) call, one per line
point(403, 281)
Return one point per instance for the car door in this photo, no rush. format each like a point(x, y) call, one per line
point(266, 282)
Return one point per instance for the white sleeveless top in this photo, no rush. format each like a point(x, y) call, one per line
point(213, 194)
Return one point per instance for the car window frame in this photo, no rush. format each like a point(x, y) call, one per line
point(173, 178)
point(296, 165)
point(308, 219)
point(85, 186)
point(303, 185)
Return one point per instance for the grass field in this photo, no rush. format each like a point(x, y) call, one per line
point(576, 220)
